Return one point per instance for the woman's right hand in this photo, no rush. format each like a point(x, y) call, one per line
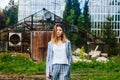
point(47, 75)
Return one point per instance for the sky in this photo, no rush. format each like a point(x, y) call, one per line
point(3, 3)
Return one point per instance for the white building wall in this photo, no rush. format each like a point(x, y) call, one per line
point(99, 10)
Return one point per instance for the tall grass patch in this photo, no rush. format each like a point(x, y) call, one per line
point(20, 65)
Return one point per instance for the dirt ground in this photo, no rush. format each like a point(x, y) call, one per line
point(21, 77)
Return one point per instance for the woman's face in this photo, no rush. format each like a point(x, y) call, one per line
point(59, 31)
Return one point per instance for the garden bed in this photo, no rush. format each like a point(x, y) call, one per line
point(23, 68)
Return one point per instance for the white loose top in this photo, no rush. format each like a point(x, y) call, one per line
point(59, 56)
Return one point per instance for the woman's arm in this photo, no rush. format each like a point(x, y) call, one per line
point(69, 53)
point(48, 59)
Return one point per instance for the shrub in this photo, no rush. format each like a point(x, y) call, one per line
point(20, 65)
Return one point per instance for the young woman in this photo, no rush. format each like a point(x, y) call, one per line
point(59, 55)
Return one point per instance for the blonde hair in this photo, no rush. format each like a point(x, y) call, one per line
point(54, 36)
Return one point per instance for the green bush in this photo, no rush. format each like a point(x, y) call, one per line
point(111, 65)
point(20, 65)
point(96, 70)
point(114, 51)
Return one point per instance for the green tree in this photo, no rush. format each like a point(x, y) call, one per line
point(71, 17)
point(2, 21)
point(81, 21)
point(75, 17)
point(68, 7)
point(72, 5)
point(87, 23)
point(11, 15)
point(109, 36)
point(77, 10)
point(76, 38)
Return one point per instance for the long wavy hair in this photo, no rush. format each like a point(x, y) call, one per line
point(54, 34)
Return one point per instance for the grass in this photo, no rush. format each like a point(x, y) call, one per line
point(10, 64)
point(96, 70)
point(20, 65)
